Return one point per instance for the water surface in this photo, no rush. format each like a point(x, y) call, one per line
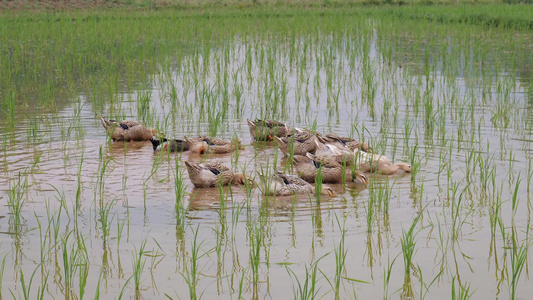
point(461, 119)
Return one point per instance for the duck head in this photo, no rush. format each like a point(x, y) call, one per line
point(405, 167)
point(327, 191)
point(361, 178)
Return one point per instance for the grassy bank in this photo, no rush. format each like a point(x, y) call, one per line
point(195, 4)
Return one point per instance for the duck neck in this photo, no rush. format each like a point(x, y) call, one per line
point(390, 169)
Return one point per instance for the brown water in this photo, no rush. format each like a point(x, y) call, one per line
point(138, 187)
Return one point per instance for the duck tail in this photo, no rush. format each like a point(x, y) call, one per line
point(251, 123)
point(105, 123)
point(188, 141)
point(311, 156)
point(192, 167)
point(320, 138)
point(282, 145)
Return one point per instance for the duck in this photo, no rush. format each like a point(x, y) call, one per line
point(376, 163)
point(333, 138)
point(356, 146)
point(203, 175)
point(309, 165)
point(344, 142)
point(173, 145)
point(299, 142)
point(206, 144)
point(266, 130)
point(342, 155)
point(285, 185)
point(127, 130)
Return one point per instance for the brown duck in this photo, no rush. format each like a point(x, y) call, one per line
point(212, 174)
point(284, 185)
point(266, 130)
point(206, 144)
point(299, 142)
point(344, 142)
point(127, 130)
point(342, 155)
point(172, 145)
point(309, 166)
point(368, 162)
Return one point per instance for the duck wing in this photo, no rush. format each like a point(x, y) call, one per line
point(129, 123)
point(269, 123)
point(337, 138)
point(215, 168)
point(290, 179)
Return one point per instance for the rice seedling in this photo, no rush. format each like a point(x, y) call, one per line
point(54, 226)
point(515, 200)
point(318, 185)
point(75, 263)
point(408, 129)
point(529, 179)
point(486, 169)
point(32, 132)
point(97, 292)
point(124, 287)
point(408, 243)
point(191, 271)
point(26, 289)
point(179, 189)
point(387, 276)
point(518, 254)
point(43, 248)
point(458, 218)
point(2, 268)
point(158, 161)
point(340, 259)
point(125, 176)
point(138, 262)
point(462, 292)
point(424, 288)
point(105, 221)
point(9, 108)
point(241, 285)
point(16, 199)
point(83, 271)
point(255, 239)
point(157, 256)
point(370, 208)
point(79, 187)
point(120, 229)
point(306, 289)
point(223, 203)
point(61, 198)
point(103, 162)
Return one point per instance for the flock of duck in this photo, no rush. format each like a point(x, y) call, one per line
point(330, 158)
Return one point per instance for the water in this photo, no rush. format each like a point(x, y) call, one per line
point(449, 126)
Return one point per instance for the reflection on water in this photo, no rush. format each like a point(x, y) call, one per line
point(103, 209)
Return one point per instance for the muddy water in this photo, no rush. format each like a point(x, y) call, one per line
point(116, 198)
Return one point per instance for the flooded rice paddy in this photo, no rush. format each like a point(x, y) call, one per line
point(83, 216)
